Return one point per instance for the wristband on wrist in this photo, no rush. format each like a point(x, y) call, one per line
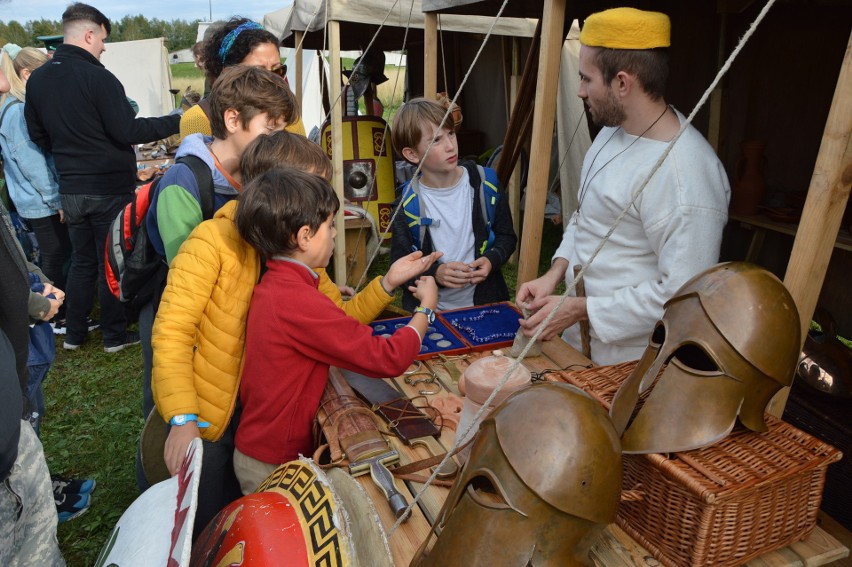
point(382, 283)
point(184, 418)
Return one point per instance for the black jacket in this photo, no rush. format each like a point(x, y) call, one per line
point(77, 110)
point(14, 341)
point(494, 287)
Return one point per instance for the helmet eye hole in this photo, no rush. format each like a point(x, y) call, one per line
point(658, 337)
point(485, 493)
point(694, 357)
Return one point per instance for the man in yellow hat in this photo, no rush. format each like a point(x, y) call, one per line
point(674, 228)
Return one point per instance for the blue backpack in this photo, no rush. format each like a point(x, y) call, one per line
point(418, 219)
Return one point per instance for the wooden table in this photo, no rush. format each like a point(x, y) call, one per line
point(614, 549)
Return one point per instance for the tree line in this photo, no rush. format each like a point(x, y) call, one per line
point(179, 34)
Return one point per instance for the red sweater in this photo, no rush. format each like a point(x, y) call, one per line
point(294, 333)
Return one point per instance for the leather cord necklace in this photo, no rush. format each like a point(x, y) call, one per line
point(589, 178)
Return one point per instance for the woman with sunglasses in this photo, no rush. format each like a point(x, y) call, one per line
point(239, 41)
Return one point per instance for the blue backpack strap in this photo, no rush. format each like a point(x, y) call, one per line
point(489, 194)
point(416, 215)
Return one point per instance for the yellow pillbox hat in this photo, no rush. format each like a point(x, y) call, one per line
point(626, 28)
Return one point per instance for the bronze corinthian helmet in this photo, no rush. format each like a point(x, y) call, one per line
point(542, 481)
point(728, 341)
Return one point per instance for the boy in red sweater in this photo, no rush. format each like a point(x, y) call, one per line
point(294, 332)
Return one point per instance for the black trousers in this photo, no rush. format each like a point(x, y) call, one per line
point(88, 218)
point(55, 248)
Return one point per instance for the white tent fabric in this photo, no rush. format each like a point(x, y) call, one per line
point(311, 95)
point(311, 15)
point(572, 128)
point(143, 69)
point(276, 21)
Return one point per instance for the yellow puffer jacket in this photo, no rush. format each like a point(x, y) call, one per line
point(195, 121)
point(199, 332)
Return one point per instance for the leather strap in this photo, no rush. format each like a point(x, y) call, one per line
point(403, 417)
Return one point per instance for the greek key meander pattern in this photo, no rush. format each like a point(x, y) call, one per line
point(315, 503)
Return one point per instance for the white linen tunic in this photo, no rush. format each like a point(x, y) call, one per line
point(672, 232)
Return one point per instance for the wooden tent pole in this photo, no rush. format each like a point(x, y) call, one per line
point(337, 150)
point(515, 179)
point(823, 211)
point(552, 38)
point(297, 37)
point(430, 55)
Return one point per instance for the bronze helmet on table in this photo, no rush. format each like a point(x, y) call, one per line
point(728, 341)
point(542, 481)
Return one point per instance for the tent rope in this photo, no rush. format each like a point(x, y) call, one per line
point(434, 137)
point(573, 284)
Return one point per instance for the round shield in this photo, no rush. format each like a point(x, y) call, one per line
point(301, 513)
point(151, 444)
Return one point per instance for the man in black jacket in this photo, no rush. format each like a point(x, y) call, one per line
point(78, 111)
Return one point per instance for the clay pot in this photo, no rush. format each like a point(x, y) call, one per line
point(749, 185)
point(479, 380)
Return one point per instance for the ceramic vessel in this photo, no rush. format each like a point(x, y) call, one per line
point(477, 383)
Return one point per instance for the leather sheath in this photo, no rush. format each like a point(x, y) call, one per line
point(403, 417)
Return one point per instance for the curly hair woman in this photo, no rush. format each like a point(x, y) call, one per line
point(239, 41)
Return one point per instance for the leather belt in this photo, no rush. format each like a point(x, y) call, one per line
point(403, 417)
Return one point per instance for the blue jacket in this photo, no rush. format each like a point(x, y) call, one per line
point(30, 174)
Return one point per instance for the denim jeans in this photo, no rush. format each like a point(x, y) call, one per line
point(88, 218)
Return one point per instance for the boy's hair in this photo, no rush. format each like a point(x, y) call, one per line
point(79, 12)
point(283, 149)
point(274, 206)
point(250, 91)
point(412, 116)
point(649, 66)
point(241, 43)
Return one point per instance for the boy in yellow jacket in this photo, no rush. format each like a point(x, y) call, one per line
point(199, 332)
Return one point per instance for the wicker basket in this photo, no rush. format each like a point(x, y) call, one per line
point(726, 504)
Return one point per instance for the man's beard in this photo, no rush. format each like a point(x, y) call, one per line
point(610, 112)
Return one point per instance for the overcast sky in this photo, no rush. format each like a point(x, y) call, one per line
point(26, 10)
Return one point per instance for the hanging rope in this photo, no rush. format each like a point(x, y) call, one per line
point(477, 418)
point(432, 141)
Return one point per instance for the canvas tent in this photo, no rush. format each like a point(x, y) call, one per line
point(143, 69)
point(487, 97)
point(810, 134)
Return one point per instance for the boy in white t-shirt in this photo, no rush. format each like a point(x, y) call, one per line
point(456, 208)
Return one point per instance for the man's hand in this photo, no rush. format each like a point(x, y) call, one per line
point(57, 293)
point(453, 274)
point(571, 311)
point(407, 268)
point(177, 443)
point(61, 216)
point(481, 269)
point(54, 309)
point(346, 291)
point(541, 287)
